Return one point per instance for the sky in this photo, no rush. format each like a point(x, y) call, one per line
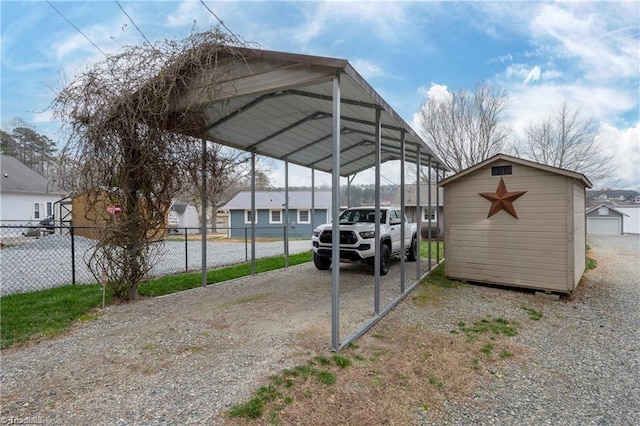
point(540, 53)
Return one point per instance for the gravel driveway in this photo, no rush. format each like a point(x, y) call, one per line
point(585, 352)
point(184, 358)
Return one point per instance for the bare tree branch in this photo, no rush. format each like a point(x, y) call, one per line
point(567, 141)
point(465, 128)
point(131, 145)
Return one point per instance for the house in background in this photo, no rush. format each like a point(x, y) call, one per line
point(412, 212)
point(270, 213)
point(25, 195)
point(612, 196)
point(514, 222)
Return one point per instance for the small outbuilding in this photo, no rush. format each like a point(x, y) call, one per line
point(605, 220)
point(514, 222)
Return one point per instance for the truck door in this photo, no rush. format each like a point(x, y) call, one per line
point(395, 229)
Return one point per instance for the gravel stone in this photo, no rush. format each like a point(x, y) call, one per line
point(187, 357)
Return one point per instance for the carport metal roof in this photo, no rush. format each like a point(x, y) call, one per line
point(280, 104)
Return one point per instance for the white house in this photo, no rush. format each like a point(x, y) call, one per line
point(25, 195)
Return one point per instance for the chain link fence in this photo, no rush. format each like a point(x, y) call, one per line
point(36, 257)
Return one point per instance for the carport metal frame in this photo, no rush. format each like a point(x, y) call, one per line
point(278, 105)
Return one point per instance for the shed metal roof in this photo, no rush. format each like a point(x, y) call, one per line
point(280, 105)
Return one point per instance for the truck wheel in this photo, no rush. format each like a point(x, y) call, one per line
point(412, 256)
point(322, 263)
point(385, 259)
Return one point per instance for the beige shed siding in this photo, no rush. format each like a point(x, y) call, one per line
point(579, 226)
point(530, 251)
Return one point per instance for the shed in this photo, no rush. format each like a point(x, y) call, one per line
point(631, 223)
point(514, 222)
point(605, 220)
point(184, 215)
point(92, 211)
point(270, 213)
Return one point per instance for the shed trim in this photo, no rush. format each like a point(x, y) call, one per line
point(575, 175)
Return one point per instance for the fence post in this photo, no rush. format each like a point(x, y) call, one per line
point(186, 251)
point(246, 254)
point(73, 255)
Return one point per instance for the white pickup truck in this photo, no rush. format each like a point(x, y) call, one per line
point(358, 239)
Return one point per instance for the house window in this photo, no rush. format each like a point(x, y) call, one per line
point(304, 216)
point(500, 170)
point(275, 216)
point(603, 211)
point(36, 210)
point(426, 214)
point(49, 209)
point(248, 216)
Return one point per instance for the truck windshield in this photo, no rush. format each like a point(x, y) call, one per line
point(362, 215)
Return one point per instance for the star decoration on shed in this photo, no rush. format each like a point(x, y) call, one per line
point(502, 199)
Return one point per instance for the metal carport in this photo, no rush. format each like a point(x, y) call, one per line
point(311, 111)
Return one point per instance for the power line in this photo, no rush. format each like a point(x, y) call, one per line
point(77, 29)
point(134, 24)
point(220, 20)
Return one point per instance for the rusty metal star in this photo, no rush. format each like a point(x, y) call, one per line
point(502, 199)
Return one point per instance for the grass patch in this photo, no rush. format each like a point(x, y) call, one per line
point(49, 313)
point(341, 361)
point(491, 325)
point(46, 313)
point(533, 314)
point(505, 354)
point(286, 387)
point(437, 278)
point(591, 262)
point(436, 382)
point(487, 349)
point(251, 409)
point(435, 246)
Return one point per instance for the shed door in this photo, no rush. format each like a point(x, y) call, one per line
point(604, 225)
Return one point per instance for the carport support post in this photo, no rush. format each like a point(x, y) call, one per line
point(313, 198)
point(376, 262)
point(437, 215)
point(429, 214)
point(203, 201)
point(418, 209)
point(286, 213)
point(402, 208)
point(253, 212)
point(335, 224)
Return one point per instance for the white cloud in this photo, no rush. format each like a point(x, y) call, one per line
point(534, 75)
point(367, 68)
point(435, 91)
point(624, 147)
point(582, 33)
point(381, 19)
